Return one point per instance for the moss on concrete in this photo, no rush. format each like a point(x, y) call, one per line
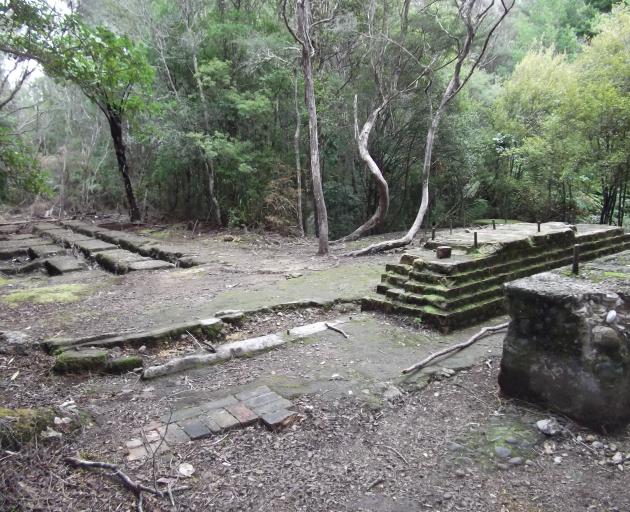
point(79, 361)
point(123, 364)
point(48, 294)
point(20, 425)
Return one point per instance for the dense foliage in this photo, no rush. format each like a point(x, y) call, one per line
point(207, 95)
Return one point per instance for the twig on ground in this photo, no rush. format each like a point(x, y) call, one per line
point(136, 488)
point(396, 452)
point(209, 346)
point(379, 480)
point(481, 334)
point(336, 329)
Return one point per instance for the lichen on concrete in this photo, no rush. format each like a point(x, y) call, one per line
point(47, 294)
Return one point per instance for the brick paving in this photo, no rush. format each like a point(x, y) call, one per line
point(180, 426)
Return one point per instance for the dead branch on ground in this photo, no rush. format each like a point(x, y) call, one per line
point(135, 487)
point(336, 329)
point(481, 334)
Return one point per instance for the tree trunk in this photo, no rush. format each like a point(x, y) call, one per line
point(213, 203)
point(383, 190)
point(304, 20)
point(115, 127)
point(298, 165)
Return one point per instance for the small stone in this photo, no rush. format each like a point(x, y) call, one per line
point(613, 447)
point(617, 458)
point(502, 465)
point(579, 439)
point(460, 473)
point(138, 453)
point(597, 445)
point(502, 452)
point(516, 461)
point(529, 462)
point(557, 460)
point(611, 316)
point(448, 495)
point(590, 438)
point(185, 470)
point(335, 376)
point(549, 427)
point(62, 421)
point(51, 433)
point(511, 440)
point(142, 349)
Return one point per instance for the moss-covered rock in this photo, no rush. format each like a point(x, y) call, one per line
point(80, 361)
point(18, 426)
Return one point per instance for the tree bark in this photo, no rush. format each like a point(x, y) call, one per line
point(115, 127)
point(383, 189)
point(304, 21)
point(298, 165)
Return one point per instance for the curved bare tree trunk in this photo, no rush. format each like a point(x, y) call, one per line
point(383, 189)
point(472, 17)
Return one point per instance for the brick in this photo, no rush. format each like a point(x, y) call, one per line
point(276, 405)
point(243, 414)
point(138, 453)
point(251, 393)
point(223, 419)
point(174, 434)
point(219, 404)
point(183, 414)
point(195, 429)
point(279, 419)
point(261, 400)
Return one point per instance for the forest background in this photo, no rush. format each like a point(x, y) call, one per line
point(208, 100)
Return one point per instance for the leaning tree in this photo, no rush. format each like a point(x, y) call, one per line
point(108, 68)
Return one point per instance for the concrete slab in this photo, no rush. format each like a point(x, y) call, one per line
point(63, 265)
point(150, 265)
point(118, 260)
point(88, 247)
point(45, 251)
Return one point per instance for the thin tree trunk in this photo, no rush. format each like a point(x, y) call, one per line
point(298, 165)
point(304, 20)
point(115, 127)
point(383, 190)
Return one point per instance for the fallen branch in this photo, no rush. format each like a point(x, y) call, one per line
point(336, 329)
point(481, 334)
point(134, 487)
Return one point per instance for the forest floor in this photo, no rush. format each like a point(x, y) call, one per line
point(367, 439)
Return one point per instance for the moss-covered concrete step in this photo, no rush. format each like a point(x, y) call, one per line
point(45, 251)
point(63, 265)
point(388, 306)
point(594, 236)
point(93, 245)
point(554, 258)
point(118, 261)
point(15, 248)
point(94, 360)
point(393, 279)
point(398, 268)
point(465, 316)
point(454, 303)
point(66, 237)
point(210, 328)
point(45, 227)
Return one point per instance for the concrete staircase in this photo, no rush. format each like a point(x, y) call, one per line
point(450, 294)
